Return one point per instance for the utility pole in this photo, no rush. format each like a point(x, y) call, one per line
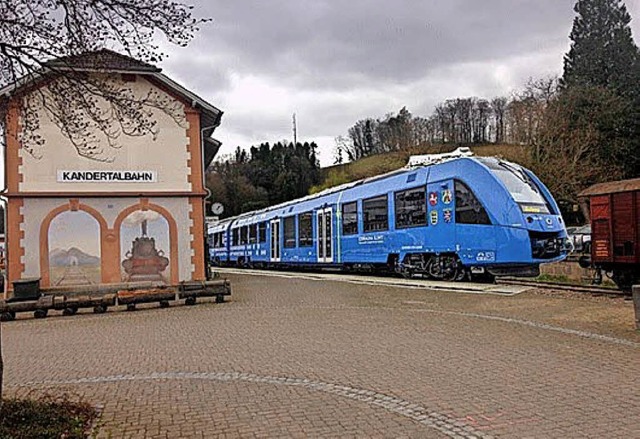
point(295, 131)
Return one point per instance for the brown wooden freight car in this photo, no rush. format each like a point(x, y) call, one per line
point(614, 211)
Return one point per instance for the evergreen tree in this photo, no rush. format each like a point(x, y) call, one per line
point(604, 55)
point(264, 176)
point(603, 52)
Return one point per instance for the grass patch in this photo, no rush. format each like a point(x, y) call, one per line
point(46, 417)
point(382, 163)
point(558, 278)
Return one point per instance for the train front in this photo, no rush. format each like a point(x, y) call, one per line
point(533, 231)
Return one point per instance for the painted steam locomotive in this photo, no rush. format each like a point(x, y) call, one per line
point(444, 216)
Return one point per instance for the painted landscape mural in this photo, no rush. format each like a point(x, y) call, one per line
point(74, 249)
point(144, 247)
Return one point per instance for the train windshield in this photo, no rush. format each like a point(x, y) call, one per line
point(523, 190)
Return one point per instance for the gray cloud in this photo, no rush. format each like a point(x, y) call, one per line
point(310, 41)
point(334, 62)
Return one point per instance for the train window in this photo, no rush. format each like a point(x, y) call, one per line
point(522, 188)
point(244, 234)
point(289, 232)
point(350, 218)
point(220, 239)
point(262, 231)
point(253, 234)
point(235, 240)
point(376, 214)
point(305, 230)
point(411, 208)
point(469, 210)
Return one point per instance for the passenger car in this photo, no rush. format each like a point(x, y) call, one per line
point(444, 217)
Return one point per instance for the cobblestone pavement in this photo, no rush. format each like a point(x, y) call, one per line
point(295, 357)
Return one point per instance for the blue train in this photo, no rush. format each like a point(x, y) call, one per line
point(445, 216)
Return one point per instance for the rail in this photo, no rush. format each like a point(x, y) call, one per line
point(565, 287)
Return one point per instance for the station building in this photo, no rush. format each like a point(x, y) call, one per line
point(131, 210)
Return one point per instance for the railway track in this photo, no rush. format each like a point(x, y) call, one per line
point(565, 287)
point(336, 275)
point(74, 275)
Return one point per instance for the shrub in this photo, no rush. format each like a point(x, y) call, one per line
point(45, 417)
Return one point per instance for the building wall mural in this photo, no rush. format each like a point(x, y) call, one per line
point(74, 249)
point(178, 209)
point(145, 247)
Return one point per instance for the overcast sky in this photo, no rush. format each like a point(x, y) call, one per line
point(333, 62)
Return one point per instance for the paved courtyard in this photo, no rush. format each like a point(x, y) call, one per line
point(314, 357)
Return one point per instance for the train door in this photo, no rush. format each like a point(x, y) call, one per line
point(441, 215)
point(275, 240)
point(324, 232)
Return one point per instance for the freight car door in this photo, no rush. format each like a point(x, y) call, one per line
point(324, 232)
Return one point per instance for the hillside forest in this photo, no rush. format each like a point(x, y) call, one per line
point(572, 131)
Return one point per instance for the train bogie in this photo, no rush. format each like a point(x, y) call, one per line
point(40, 313)
point(7, 316)
point(70, 311)
point(100, 309)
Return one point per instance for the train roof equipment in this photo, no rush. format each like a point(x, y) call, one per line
point(419, 161)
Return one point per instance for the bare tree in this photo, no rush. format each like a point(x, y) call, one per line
point(396, 132)
point(441, 121)
point(527, 109)
point(363, 139)
point(499, 109)
point(423, 131)
point(480, 120)
point(582, 140)
point(43, 40)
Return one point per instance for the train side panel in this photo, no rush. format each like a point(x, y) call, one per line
point(457, 208)
point(615, 228)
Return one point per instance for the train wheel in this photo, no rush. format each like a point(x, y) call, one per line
point(190, 301)
point(40, 313)
point(164, 304)
point(69, 311)
point(584, 261)
point(100, 309)
point(623, 279)
point(8, 316)
point(131, 306)
point(445, 268)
